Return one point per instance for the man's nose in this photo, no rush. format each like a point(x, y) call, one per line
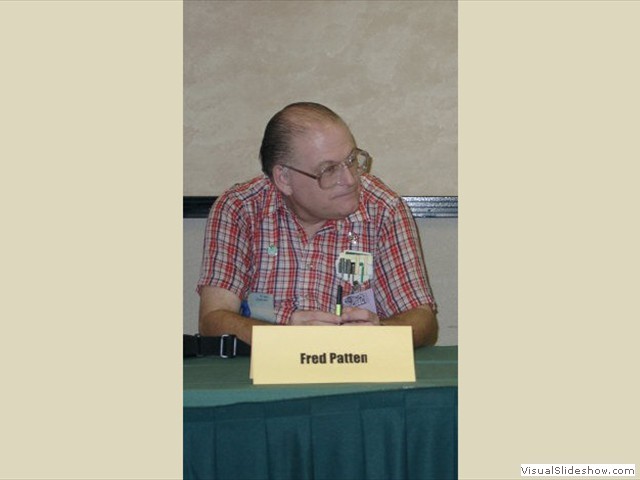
point(347, 177)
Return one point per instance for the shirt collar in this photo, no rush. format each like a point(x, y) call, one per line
point(274, 202)
point(273, 199)
point(361, 215)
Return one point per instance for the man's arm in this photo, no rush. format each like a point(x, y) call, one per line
point(219, 315)
point(422, 320)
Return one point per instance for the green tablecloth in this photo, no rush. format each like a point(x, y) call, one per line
point(234, 430)
point(211, 382)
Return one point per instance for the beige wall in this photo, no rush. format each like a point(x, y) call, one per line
point(389, 68)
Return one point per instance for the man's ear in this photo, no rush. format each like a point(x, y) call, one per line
point(282, 179)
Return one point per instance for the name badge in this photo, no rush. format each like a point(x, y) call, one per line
point(261, 307)
point(363, 299)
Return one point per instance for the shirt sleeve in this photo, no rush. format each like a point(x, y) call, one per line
point(227, 247)
point(401, 276)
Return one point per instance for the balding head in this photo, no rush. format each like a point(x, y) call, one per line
point(291, 123)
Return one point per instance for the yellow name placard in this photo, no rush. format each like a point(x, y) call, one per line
point(323, 354)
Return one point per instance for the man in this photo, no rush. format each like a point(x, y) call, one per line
point(314, 224)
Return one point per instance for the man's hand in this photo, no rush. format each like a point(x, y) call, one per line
point(359, 316)
point(309, 317)
point(350, 316)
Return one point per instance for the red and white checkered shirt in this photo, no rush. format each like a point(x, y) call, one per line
point(253, 243)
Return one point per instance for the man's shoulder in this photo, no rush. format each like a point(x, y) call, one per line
point(248, 188)
point(253, 193)
point(378, 194)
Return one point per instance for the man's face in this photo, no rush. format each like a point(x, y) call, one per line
point(324, 144)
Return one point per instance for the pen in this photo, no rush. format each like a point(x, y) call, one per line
point(339, 301)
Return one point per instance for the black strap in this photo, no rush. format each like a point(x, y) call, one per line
point(226, 346)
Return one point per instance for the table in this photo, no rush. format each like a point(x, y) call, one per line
point(235, 430)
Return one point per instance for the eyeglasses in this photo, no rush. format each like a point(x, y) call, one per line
point(357, 162)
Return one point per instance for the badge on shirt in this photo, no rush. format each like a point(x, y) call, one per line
point(260, 306)
point(363, 299)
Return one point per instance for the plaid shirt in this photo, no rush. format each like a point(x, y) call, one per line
point(253, 243)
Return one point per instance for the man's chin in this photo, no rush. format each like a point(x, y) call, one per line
point(346, 203)
point(347, 210)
